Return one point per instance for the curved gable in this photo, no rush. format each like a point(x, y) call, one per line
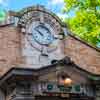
point(82, 54)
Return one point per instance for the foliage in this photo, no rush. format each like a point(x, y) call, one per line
point(2, 15)
point(86, 21)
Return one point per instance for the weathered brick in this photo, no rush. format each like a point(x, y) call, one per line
point(9, 48)
point(83, 55)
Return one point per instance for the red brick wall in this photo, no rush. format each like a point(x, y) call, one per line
point(84, 56)
point(9, 48)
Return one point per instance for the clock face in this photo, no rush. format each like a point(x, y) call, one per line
point(42, 35)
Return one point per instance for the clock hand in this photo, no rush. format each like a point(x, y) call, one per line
point(39, 32)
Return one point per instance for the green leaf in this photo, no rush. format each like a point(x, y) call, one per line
point(86, 21)
point(2, 15)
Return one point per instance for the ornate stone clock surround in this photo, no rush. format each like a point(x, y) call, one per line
point(46, 53)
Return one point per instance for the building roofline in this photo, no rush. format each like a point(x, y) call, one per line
point(43, 9)
point(4, 25)
point(82, 41)
point(62, 62)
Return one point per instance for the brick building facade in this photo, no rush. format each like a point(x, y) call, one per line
point(84, 58)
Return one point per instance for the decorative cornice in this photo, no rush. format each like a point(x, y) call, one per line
point(36, 8)
point(35, 72)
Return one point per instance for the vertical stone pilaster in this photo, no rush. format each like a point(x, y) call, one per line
point(22, 91)
point(98, 92)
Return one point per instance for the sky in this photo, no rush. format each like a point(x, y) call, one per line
point(16, 5)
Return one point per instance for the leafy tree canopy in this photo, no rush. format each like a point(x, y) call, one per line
point(85, 23)
point(2, 15)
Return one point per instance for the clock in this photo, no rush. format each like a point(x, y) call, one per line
point(41, 38)
point(42, 35)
